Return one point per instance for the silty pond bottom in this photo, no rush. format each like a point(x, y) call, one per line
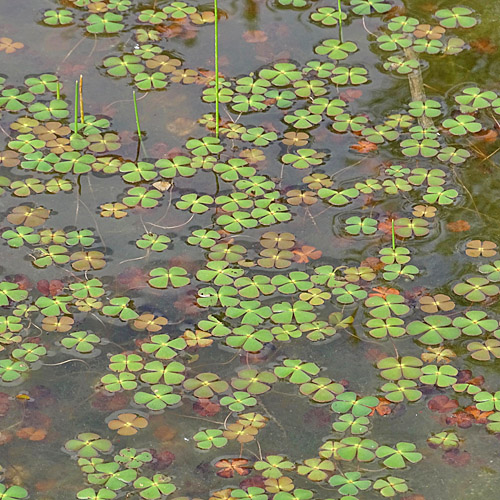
point(302, 306)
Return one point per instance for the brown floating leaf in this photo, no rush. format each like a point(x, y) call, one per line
point(198, 338)
point(9, 46)
point(56, 324)
point(437, 355)
point(253, 156)
point(127, 424)
point(116, 210)
point(28, 216)
point(150, 322)
point(478, 248)
point(283, 241)
point(294, 138)
point(296, 197)
point(242, 434)
point(9, 158)
point(438, 302)
point(427, 211)
point(85, 261)
point(431, 32)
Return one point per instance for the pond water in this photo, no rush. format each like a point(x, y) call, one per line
point(300, 305)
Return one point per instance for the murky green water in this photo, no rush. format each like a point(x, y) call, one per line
point(156, 296)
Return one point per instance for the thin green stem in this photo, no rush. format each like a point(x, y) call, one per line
point(80, 89)
point(340, 20)
point(393, 236)
point(137, 117)
point(58, 91)
point(76, 106)
point(216, 69)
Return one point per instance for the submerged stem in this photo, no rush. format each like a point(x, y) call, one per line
point(137, 117)
point(80, 88)
point(76, 107)
point(340, 20)
point(216, 27)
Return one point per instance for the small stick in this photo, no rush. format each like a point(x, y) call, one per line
point(393, 237)
point(76, 107)
point(81, 99)
point(216, 25)
point(137, 117)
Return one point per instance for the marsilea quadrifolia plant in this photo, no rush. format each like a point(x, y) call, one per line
point(236, 272)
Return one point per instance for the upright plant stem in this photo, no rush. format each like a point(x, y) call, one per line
point(393, 236)
point(58, 90)
point(76, 107)
point(137, 118)
point(340, 20)
point(81, 100)
point(216, 70)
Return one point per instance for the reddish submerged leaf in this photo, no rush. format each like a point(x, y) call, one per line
point(364, 147)
point(162, 459)
point(456, 457)
point(383, 408)
point(31, 433)
point(351, 95)
point(461, 419)
point(458, 226)
point(4, 404)
point(206, 408)
point(254, 36)
point(306, 253)
point(228, 467)
point(382, 291)
point(484, 45)
point(442, 404)
point(50, 288)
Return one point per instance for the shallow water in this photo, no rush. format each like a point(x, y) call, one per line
point(52, 400)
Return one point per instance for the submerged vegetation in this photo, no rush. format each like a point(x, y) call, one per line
point(295, 299)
